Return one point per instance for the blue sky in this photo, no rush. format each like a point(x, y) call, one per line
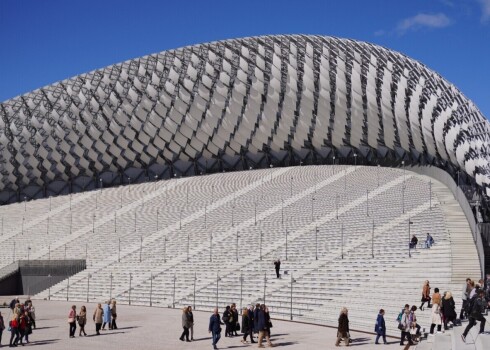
point(44, 41)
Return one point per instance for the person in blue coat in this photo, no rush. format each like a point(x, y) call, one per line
point(215, 327)
point(107, 315)
point(380, 327)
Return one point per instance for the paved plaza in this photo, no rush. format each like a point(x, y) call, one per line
point(157, 328)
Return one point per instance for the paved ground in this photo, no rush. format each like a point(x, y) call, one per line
point(156, 328)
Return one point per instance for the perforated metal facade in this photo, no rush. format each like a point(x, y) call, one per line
point(233, 104)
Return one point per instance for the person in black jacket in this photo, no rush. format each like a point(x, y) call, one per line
point(380, 327)
point(245, 326)
point(277, 266)
point(263, 326)
point(343, 329)
point(228, 319)
point(234, 321)
point(215, 327)
point(251, 322)
point(475, 314)
point(256, 318)
point(448, 309)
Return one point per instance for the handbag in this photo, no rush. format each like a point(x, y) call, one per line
point(71, 320)
point(401, 327)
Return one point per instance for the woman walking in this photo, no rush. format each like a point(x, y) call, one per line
point(425, 295)
point(343, 328)
point(107, 315)
point(245, 326)
point(228, 319)
point(82, 321)
point(14, 328)
point(185, 324)
point(98, 314)
point(448, 309)
point(114, 314)
point(380, 327)
point(72, 318)
point(191, 321)
point(436, 317)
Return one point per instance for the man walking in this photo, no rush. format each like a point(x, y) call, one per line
point(477, 304)
point(277, 265)
point(465, 297)
point(215, 327)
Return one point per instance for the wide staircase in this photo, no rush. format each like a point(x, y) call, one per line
point(341, 233)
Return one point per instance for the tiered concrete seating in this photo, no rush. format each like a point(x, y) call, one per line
point(212, 240)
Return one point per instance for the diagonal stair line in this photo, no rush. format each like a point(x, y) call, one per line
point(53, 212)
point(132, 248)
point(108, 217)
point(230, 269)
point(250, 222)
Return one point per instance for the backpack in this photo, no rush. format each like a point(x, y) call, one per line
point(400, 315)
point(12, 303)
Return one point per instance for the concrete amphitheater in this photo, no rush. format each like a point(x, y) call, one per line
point(178, 178)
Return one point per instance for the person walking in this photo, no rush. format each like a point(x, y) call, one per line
point(72, 319)
point(107, 315)
point(425, 295)
point(251, 323)
point(191, 321)
point(448, 309)
point(245, 325)
point(436, 317)
point(263, 327)
point(380, 327)
point(277, 266)
point(113, 314)
point(343, 328)
point(82, 320)
point(465, 297)
point(14, 329)
point(2, 327)
point(32, 314)
point(215, 327)
point(227, 319)
point(25, 327)
point(98, 314)
point(185, 324)
point(478, 305)
point(436, 297)
point(405, 326)
point(234, 323)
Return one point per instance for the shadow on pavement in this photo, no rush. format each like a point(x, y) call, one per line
point(43, 342)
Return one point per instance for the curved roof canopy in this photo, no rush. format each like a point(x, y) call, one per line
point(236, 103)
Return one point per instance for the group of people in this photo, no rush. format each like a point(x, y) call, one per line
point(429, 241)
point(21, 322)
point(255, 319)
point(103, 315)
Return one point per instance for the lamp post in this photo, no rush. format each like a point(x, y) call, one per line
point(232, 215)
point(367, 202)
point(151, 287)
point(312, 208)
point(205, 215)
point(23, 220)
point(155, 188)
point(49, 251)
point(47, 226)
point(120, 199)
point(115, 221)
point(165, 249)
point(377, 174)
point(217, 289)
point(237, 237)
point(86, 251)
point(337, 205)
point(355, 159)
point(333, 164)
point(409, 248)
point(291, 187)
point(28, 253)
point(372, 241)
point(134, 220)
point(342, 239)
point(67, 287)
point(130, 279)
point(403, 198)
point(241, 290)
point(93, 223)
point(88, 285)
point(255, 213)
point(345, 180)
point(110, 289)
point(212, 193)
point(282, 211)
point(49, 288)
point(292, 281)
point(286, 244)
point(119, 251)
point(265, 284)
point(316, 242)
point(430, 194)
point(129, 183)
point(211, 247)
point(260, 245)
point(100, 180)
point(25, 203)
point(158, 213)
point(49, 203)
point(194, 294)
point(65, 251)
point(186, 194)
point(188, 244)
point(141, 246)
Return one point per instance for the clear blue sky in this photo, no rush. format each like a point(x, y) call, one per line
point(44, 41)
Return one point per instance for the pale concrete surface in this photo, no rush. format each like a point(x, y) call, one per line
point(157, 328)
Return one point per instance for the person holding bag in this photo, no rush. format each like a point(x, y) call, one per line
point(380, 327)
point(82, 320)
point(72, 320)
point(425, 295)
